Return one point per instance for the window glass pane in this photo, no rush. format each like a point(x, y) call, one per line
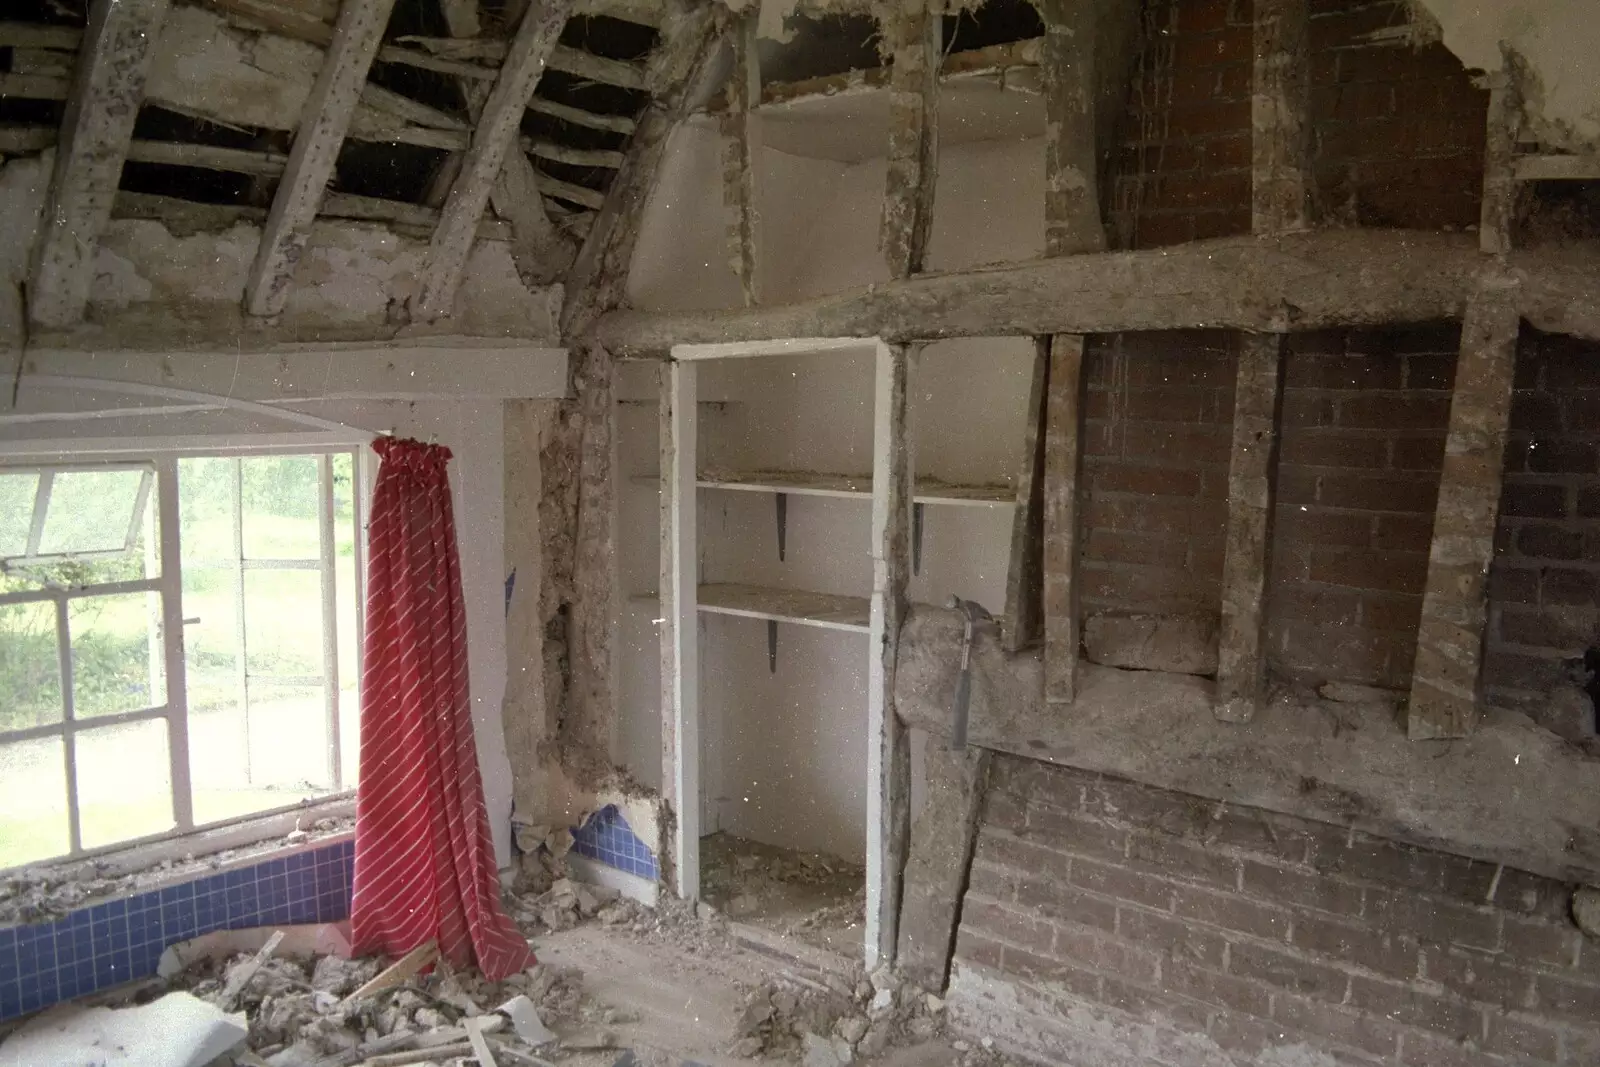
point(210, 638)
point(133, 563)
point(118, 663)
point(124, 782)
point(33, 801)
point(281, 505)
point(283, 623)
point(205, 508)
point(30, 666)
point(267, 759)
point(89, 511)
point(17, 492)
point(288, 732)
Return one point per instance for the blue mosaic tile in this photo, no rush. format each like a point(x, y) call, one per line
point(120, 940)
point(607, 838)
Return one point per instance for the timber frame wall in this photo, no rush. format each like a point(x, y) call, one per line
point(1289, 286)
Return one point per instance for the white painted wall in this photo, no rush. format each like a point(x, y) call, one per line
point(784, 754)
point(471, 428)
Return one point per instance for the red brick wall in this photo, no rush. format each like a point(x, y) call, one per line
point(1545, 583)
point(1132, 925)
point(1397, 133)
point(1158, 426)
point(1362, 439)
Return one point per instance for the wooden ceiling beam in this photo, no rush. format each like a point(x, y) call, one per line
point(496, 135)
point(1301, 281)
point(685, 70)
point(96, 131)
point(324, 122)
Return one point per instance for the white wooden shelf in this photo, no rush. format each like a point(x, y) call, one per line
point(847, 486)
point(826, 611)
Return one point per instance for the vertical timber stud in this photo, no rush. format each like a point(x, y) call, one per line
point(1241, 669)
point(1063, 451)
point(1499, 162)
point(107, 88)
point(1072, 225)
point(1071, 197)
point(912, 29)
point(1444, 681)
point(940, 859)
point(680, 628)
point(1280, 201)
point(1280, 143)
point(888, 743)
point(323, 123)
point(498, 127)
point(741, 155)
point(1023, 621)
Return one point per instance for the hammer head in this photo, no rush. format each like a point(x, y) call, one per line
point(974, 611)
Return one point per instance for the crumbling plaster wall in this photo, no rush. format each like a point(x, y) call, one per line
point(153, 286)
point(1556, 42)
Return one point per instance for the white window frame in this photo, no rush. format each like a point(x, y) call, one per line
point(164, 464)
point(41, 509)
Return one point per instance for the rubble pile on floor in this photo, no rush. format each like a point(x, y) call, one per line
point(567, 903)
point(318, 1013)
point(832, 1022)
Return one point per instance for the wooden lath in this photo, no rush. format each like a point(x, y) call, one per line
point(323, 124)
point(497, 135)
point(95, 134)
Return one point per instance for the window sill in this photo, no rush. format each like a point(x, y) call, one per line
point(47, 890)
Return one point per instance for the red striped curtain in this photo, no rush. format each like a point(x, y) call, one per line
point(425, 867)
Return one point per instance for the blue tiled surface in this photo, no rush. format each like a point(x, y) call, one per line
point(608, 838)
point(122, 940)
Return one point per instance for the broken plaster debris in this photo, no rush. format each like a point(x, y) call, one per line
point(808, 896)
point(296, 1008)
point(177, 1030)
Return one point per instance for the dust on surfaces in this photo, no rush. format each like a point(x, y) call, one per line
point(809, 896)
point(838, 1020)
point(46, 892)
point(301, 1012)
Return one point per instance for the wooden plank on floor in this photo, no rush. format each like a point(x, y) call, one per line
point(888, 743)
point(96, 130)
point(913, 30)
point(1063, 468)
point(1444, 681)
point(680, 626)
point(499, 126)
point(323, 124)
point(1241, 667)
